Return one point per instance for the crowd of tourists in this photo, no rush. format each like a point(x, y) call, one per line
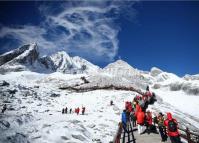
point(136, 112)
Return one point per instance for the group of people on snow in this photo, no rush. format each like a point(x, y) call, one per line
point(136, 112)
point(76, 110)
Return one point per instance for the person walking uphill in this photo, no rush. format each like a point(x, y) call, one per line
point(172, 129)
point(124, 121)
point(140, 121)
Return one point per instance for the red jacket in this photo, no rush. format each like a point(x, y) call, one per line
point(130, 107)
point(137, 109)
point(149, 118)
point(126, 105)
point(140, 117)
point(148, 94)
point(166, 122)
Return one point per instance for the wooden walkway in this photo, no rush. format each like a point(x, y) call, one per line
point(134, 137)
point(149, 138)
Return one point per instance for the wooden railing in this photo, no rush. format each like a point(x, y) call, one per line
point(130, 135)
point(118, 134)
point(188, 135)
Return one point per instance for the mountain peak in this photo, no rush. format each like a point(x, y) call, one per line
point(155, 71)
point(119, 64)
point(23, 54)
point(121, 68)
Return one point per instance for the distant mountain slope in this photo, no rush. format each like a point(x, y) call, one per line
point(27, 58)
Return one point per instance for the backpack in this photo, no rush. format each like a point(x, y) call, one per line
point(172, 126)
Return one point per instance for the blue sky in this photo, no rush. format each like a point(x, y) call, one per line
point(145, 34)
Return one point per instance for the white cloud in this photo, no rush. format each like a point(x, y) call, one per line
point(83, 29)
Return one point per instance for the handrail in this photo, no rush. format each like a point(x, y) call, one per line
point(117, 137)
point(119, 132)
point(190, 136)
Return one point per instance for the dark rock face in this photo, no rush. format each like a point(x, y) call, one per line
point(47, 62)
point(11, 55)
point(4, 124)
point(25, 55)
point(17, 138)
point(4, 83)
point(54, 95)
point(31, 56)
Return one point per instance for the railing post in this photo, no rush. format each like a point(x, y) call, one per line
point(188, 135)
point(197, 139)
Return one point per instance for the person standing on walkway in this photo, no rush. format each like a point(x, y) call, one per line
point(148, 122)
point(140, 121)
point(172, 129)
point(161, 127)
point(124, 121)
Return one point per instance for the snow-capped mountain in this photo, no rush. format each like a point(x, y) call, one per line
point(19, 59)
point(62, 62)
point(120, 68)
point(27, 58)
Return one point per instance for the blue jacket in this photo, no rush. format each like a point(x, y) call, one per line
point(124, 117)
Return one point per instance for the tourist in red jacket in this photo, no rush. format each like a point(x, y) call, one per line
point(130, 107)
point(172, 129)
point(148, 122)
point(140, 120)
point(137, 108)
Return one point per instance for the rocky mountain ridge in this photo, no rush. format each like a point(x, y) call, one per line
point(27, 58)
